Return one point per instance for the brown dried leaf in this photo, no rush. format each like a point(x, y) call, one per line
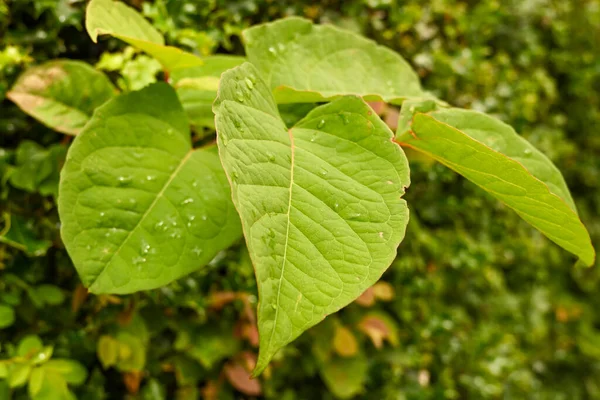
point(239, 377)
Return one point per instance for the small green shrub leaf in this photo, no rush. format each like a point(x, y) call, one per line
point(493, 156)
point(18, 233)
point(139, 206)
point(197, 87)
point(7, 316)
point(305, 63)
point(61, 94)
point(345, 377)
point(320, 203)
point(114, 18)
point(72, 371)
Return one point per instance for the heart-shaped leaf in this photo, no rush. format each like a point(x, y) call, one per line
point(305, 63)
point(493, 156)
point(320, 203)
point(139, 206)
point(114, 18)
point(61, 94)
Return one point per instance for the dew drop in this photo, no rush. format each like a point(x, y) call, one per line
point(150, 178)
point(189, 200)
point(249, 83)
point(336, 205)
point(195, 184)
point(138, 260)
point(234, 175)
point(252, 78)
point(274, 306)
point(197, 251)
point(160, 225)
point(204, 218)
point(239, 96)
point(527, 151)
point(123, 180)
point(271, 156)
point(145, 247)
point(345, 118)
point(323, 172)
point(102, 213)
point(272, 51)
point(321, 124)
point(281, 46)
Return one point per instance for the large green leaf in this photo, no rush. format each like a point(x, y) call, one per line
point(320, 203)
point(61, 94)
point(493, 156)
point(197, 87)
point(303, 62)
point(114, 18)
point(139, 207)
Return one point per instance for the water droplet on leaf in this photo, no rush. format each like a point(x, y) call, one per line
point(249, 83)
point(123, 180)
point(321, 124)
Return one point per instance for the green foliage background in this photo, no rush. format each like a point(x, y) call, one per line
point(484, 305)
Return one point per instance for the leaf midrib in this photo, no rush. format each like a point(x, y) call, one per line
point(287, 236)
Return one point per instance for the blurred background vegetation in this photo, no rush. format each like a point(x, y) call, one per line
point(478, 305)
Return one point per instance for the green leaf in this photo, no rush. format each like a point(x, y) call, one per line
point(108, 351)
point(211, 345)
point(71, 371)
point(197, 87)
point(139, 206)
point(52, 386)
point(61, 94)
point(303, 62)
point(50, 294)
point(493, 156)
point(320, 203)
point(114, 18)
point(132, 352)
point(19, 375)
point(36, 381)
point(7, 316)
point(345, 377)
point(37, 168)
point(18, 233)
point(29, 346)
